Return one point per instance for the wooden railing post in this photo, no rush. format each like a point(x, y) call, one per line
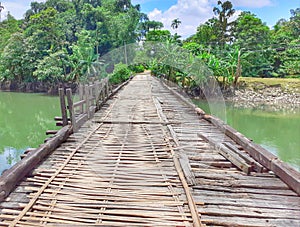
point(63, 106)
point(71, 109)
point(107, 88)
point(81, 97)
point(91, 100)
point(87, 102)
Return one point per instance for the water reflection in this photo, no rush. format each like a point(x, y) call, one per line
point(9, 157)
point(24, 119)
point(277, 130)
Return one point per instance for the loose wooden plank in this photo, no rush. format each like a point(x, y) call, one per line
point(228, 154)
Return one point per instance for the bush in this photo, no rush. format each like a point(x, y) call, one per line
point(137, 68)
point(120, 74)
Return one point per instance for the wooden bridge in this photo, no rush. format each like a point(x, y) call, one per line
point(148, 157)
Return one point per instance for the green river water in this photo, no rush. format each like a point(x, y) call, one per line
point(276, 130)
point(24, 119)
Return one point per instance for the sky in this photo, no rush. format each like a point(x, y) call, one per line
point(191, 13)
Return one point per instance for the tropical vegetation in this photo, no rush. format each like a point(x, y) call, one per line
point(63, 41)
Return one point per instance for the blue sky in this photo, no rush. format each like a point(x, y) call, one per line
point(190, 12)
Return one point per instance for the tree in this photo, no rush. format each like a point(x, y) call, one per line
point(175, 23)
point(285, 38)
point(207, 33)
point(7, 28)
point(224, 25)
point(153, 25)
point(1, 8)
point(253, 38)
point(158, 35)
point(16, 62)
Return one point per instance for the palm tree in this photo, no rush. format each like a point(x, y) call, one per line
point(175, 24)
point(1, 8)
point(224, 14)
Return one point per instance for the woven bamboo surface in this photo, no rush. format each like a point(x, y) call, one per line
point(140, 162)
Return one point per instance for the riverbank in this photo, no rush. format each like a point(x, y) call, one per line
point(35, 87)
point(277, 93)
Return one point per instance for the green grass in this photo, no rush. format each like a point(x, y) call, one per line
point(291, 84)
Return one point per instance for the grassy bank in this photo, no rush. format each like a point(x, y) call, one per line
point(289, 84)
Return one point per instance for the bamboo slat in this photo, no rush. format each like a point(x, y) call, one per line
point(130, 166)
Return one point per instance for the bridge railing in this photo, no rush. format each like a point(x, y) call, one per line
point(89, 99)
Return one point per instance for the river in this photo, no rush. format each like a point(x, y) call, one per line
point(24, 120)
point(276, 130)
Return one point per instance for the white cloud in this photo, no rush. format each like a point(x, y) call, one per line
point(155, 13)
point(191, 13)
point(251, 4)
point(17, 8)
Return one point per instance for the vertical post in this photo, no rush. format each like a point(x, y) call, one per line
point(107, 88)
point(81, 97)
point(87, 101)
point(238, 70)
point(71, 109)
point(97, 92)
point(63, 106)
point(92, 94)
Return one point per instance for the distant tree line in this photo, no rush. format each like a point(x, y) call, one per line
point(233, 48)
point(62, 40)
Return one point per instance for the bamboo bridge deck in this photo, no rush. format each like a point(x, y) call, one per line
point(148, 159)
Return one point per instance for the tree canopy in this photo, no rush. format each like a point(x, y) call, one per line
point(62, 40)
point(58, 40)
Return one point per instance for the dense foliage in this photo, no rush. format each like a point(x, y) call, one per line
point(60, 40)
point(63, 40)
point(247, 46)
point(233, 48)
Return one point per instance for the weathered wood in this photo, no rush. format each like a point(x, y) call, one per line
point(87, 101)
point(12, 176)
point(228, 154)
point(81, 120)
point(79, 104)
point(288, 174)
point(63, 106)
point(71, 109)
point(81, 95)
point(183, 159)
point(184, 176)
point(51, 132)
point(60, 119)
point(255, 165)
point(119, 170)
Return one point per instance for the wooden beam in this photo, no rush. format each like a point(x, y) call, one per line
point(254, 164)
point(286, 173)
point(15, 174)
point(71, 108)
point(63, 106)
point(234, 158)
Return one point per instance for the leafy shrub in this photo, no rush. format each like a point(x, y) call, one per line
point(137, 68)
point(120, 74)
